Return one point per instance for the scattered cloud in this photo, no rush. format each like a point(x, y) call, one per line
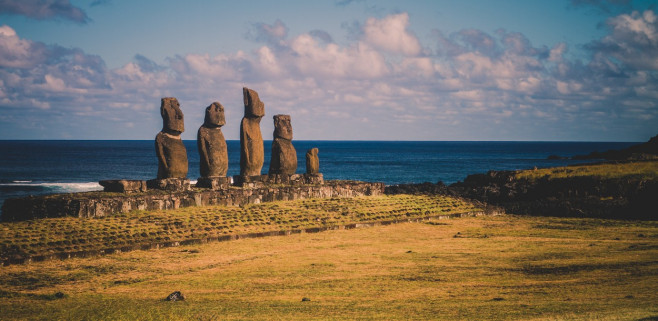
point(470, 81)
point(44, 9)
point(633, 40)
point(272, 34)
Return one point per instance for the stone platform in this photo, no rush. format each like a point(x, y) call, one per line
point(99, 204)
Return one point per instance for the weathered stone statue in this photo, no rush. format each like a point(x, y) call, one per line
point(284, 156)
point(213, 155)
point(312, 161)
point(251, 140)
point(172, 156)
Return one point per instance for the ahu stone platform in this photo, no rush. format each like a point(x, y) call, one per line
point(99, 204)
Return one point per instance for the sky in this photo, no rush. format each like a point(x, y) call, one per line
point(514, 70)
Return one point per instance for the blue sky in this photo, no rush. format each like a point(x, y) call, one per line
point(366, 70)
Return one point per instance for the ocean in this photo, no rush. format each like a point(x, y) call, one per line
point(33, 167)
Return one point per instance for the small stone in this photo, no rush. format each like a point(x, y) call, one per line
point(175, 296)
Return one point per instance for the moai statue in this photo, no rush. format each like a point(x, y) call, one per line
point(172, 156)
point(312, 161)
point(251, 140)
point(213, 155)
point(284, 156)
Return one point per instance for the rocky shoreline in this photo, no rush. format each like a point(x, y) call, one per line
point(629, 197)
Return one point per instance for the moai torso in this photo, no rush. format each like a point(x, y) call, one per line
point(169, 148)
point(251, 140)
point(284, 156)
point(213, 155)
point(312, 161)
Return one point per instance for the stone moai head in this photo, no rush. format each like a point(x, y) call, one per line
point(172, 116)
point(214, 115)
point(282, 127)
point(253, 107)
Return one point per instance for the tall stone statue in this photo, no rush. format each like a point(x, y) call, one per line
point(172, 156)
point(312, 161)
point(213, 155)
point(251, 140)
point(284, 156)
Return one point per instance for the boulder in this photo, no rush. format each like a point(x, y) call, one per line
point(214, 183)
point(123, 186)
point(252, 153)
point(213, 154)
point(169, 184)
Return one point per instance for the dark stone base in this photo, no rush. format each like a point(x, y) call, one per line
point(285, 179)
point(316, 179)
point(295, 179)
point(170, 184)
point(250, 181)
point(99, 204)
point(123, 186)
point(215, 183)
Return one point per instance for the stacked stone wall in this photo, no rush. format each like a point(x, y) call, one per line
point(99, 204)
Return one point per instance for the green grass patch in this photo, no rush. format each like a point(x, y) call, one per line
point(53, 236)
point(642, 170)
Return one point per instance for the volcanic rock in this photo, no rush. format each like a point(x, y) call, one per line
point(213, 155)
point(175, 296)
point(312, 161)
point(252, 153)
point(284, 156)
point(172, 156)
point(123, 186)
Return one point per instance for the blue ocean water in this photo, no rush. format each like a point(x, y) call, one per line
point(43, 167)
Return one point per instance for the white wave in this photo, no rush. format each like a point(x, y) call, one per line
point(61, 186)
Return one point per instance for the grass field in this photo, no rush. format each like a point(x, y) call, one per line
point(646, 170)
point(126, 231)
point(492, 267)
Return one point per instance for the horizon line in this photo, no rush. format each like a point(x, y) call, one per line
point(359, 140)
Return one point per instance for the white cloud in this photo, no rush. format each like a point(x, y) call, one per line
point(633, 40)
point(475, 83)
point(390, 34)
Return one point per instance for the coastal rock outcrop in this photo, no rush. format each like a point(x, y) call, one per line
point(252, 152)
point(284, 156)
point(169, 148)
point(213, 155)
point(123, 186)
point(312, 161)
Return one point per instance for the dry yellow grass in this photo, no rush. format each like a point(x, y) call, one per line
point(644, 170)
point(502, 267)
